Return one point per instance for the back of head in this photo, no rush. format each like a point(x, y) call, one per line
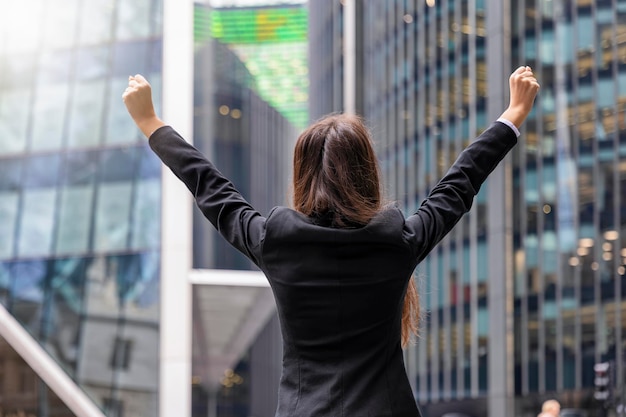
point(336, 179)
point(551, 408)
point(336, 175)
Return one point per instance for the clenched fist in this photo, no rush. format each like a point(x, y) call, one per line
point(523, 87)
point(138, 100)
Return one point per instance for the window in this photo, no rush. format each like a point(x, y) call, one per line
point(49, 114)
point(146, 226)
point(37, 221)
point(74, 220)
point(112, 216)
point(120, 357)
point(8, 214)
point(13, 120)
point(86, 112)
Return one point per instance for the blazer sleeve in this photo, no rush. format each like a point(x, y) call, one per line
point(452, 197)
point(217, 198)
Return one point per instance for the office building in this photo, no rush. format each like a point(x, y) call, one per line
point(526, 293)
point(97, 279)
point(80, 192)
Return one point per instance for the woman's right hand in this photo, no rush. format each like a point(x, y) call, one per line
point(523, 87)
point(138, 100)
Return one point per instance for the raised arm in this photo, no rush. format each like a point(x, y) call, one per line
point(452, 197)
point(215, 195)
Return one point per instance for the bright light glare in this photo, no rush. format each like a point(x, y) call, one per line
point(20, 23)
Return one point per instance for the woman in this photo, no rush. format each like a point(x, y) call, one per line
point(340, 263)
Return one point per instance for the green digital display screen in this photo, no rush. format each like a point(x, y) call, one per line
point(272, 43)
point(260, 25)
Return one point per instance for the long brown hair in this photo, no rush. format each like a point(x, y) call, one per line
point(336, 176)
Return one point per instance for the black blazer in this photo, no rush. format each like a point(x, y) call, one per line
point(339, 292)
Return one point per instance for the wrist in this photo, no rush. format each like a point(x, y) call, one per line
point(515, 115)
point(149, 124)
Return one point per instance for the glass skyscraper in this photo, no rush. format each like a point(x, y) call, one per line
point(526, 294)
point(569, 182)
point(80, 193)
point(95, 237)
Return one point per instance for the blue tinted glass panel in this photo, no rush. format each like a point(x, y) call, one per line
point(483, 263)
point(146, 222)
point(41, 171)
point(27, 292)
point(74, 221)
point(10, 174)
point(36, 223)
point(606, 93)
point(86, 113)
point(132, 273)
point(8, 213)
point(530, 49)
point(149, 163)
point(80, 168)
point(119, 164)
point(14, 108)
point(64, 307)
point(113, 216)
point(585, 32)
point(49, 116)
point(5, 282)
point(483, 322)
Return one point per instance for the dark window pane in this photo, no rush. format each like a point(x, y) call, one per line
point(118, 164)
point(10, 174)
point(41, 171)
point(80, 168)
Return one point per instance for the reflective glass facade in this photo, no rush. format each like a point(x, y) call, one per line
point(425, 65)
point(434, 75)
point(250, 140)
point(570, 181)
point(326, 59)
point(80, 192)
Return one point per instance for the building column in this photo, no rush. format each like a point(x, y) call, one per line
point(349, 56)
point(500, 233)
point(176, 212)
